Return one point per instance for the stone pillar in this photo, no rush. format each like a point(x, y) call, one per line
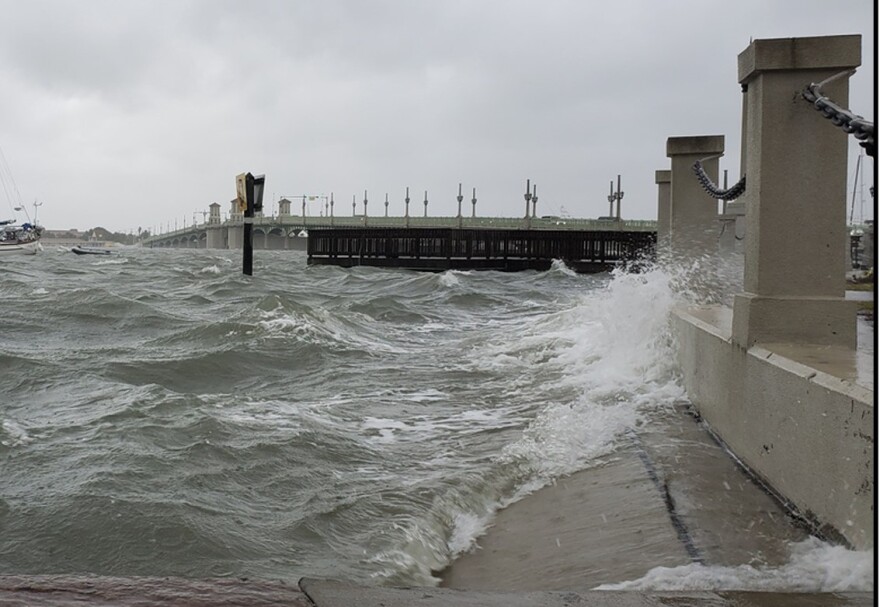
point(663, 179)
point(235, 236)
point(214, 214)
point(796, 163)
point(215, 237)
point(693, 217)
point(284, 207)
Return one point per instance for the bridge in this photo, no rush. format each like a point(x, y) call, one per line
point(282, 232)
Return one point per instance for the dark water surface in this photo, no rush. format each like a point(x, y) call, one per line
point(162, 414)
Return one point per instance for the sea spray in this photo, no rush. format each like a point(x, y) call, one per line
point(813, 566)
point(590, 370)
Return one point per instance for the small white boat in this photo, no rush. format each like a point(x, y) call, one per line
point(21, 239)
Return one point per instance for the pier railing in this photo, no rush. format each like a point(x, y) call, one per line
point(443, 248)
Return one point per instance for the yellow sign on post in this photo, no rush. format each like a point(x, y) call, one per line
point(241, 192)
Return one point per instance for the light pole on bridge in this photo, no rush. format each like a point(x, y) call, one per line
point(612, 196)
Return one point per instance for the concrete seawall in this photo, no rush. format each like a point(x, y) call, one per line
point(795, 416)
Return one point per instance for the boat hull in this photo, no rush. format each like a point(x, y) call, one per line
point(90, 251)
point(20, 248)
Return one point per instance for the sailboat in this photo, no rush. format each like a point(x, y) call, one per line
point(20, 239)
point(17, 238)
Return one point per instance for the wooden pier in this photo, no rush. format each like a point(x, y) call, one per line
point(439, 249)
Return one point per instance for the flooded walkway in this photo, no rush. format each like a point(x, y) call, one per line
point(669, 497)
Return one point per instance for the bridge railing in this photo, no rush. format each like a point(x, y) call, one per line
point(293, 222)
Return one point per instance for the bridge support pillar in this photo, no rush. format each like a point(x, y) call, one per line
point(693, 217)
point(796, 163)
point(235, 238)
point(215, 237)
point(663, 179)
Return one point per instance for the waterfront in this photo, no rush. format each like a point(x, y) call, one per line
point(164, 415)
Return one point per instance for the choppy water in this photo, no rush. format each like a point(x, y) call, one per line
point(162, 414)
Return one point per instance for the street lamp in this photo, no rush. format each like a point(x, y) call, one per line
point(534, 199)
point(474, 203)
point(612, 196)
point(331, 208)
point(528, 196)
point(426, 203)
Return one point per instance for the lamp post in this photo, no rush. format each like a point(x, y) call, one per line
point(459, 198)
point(331, 208)
point(612, 196)
point(365, 207)
point(386, 204)
point(528, 197)
point(426, 203)
point(534, 200)
point(406, 200)
point(304, 207)
point(474, 203)
point(611, 199)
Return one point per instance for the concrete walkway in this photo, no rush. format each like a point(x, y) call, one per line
point(669, 496)
point(68, 591)
point(327, 593)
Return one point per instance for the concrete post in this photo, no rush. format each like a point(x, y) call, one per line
point(663, 179)
point(693, 217)
point(732, 228)
point(795, 198)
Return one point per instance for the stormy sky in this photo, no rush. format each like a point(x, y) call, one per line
point(128, 114)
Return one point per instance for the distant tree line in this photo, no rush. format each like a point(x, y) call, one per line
point(102, 234)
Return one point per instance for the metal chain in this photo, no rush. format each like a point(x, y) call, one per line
point(857, 126)
point(731, 193)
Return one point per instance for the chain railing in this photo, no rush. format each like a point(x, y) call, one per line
point(731, 193)
point(857, 126)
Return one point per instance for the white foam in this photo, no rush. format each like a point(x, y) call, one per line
point(449, 279)
point(559, 266)
point(466, 528)
point(210, 270)
point(813, 566)
point(17, 436)
point(612, 350)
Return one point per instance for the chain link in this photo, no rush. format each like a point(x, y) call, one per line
point(731, 193)
point(857, 126)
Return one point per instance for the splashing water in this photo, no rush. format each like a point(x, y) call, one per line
point(814, 566)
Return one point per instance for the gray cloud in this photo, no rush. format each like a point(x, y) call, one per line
point(134, 114)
